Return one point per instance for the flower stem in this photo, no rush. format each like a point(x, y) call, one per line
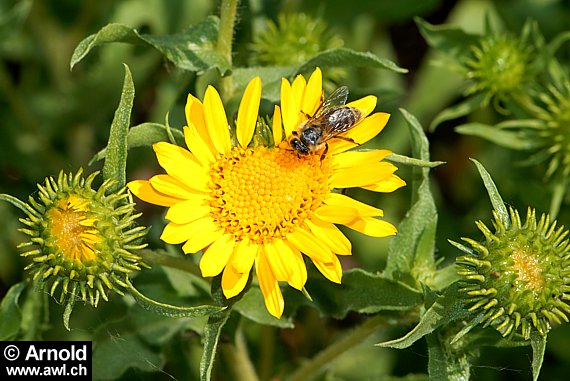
point(237, 357)
point(314, 366)
point(228, 13)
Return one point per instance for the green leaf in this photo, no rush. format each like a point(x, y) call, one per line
point(211, 338)
point(516, 140)
point(170, 310)
point(193, 49)
point(119, 346)
point(363, 292)
point(252, 306)
point(350, 58)
point(10, 313)
point(411, 254)
point(143, 135)
point(12, 19)
point(538, 344)
point(445, 363)
point(494, 196)
point(457, 111)
point(15, 202)
point(447, 308)
point(401, 159)
point(115, 166)
point(448, 39)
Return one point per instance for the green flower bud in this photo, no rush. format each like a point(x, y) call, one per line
point(500, 66)
point(518, 279)
point(81, 240)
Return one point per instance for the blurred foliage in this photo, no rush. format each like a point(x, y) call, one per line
point(54, 118)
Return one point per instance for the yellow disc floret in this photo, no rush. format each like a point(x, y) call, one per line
point(263, 194)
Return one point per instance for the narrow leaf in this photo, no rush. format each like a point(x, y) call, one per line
point(538, 344)
point(494, 196)
point(461, 109)
point(211, 338)
point(515, 140)
point(414, 244)
point(11, 313)
point(401, 159)
point(116, 160)
point(447, 308)
point(170, 310)
point(144, 135)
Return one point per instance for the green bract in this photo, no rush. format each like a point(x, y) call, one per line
point(82, 241)
point(518, 279)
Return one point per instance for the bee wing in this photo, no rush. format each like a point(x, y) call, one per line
point(335, 129)
point(336, 98)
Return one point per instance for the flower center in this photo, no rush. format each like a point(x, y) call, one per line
point(528, 270)
point(71, 230)
point(263, 194)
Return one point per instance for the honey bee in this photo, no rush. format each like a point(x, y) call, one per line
point(331, 119)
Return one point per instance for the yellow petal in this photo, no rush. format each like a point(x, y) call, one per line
point(244, 255)
point(198, 146)
point(372, 226)
point(202, 235)
point(363, 175)
point(387, 185)
point(307, 243)
point(169, 186)
point(182, 165)
point(194, 111)
point(359, 158)
point(187, 211)
point(298, 88)
point(269, 287)
point(335, 214)
point(248, 111)
point(289, 113)
point(313, 93)
point(195, 231)
point(216, 256)
point(298, 277)
point(277, 126)
point(366, 105)
point(361, 133)
point(330, 235)
point(143, 190)
point(216, 121)
point(174, 233)
point(278, 256)
point(331, 270)
point(342, 201)
point(233, 282)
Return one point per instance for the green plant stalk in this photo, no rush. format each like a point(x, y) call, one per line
point(228, 12)
point(315, 366)
point(237, 357)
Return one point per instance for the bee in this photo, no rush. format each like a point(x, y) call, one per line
point(331, 119)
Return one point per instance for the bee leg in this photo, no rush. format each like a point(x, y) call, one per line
point(325, 151)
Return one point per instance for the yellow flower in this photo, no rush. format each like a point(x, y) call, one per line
point(263, 205)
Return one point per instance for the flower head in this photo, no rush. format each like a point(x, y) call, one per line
point(518, 279)
point(552, 110)
point(82, 239)
point(499, 67)
point(248, 205)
